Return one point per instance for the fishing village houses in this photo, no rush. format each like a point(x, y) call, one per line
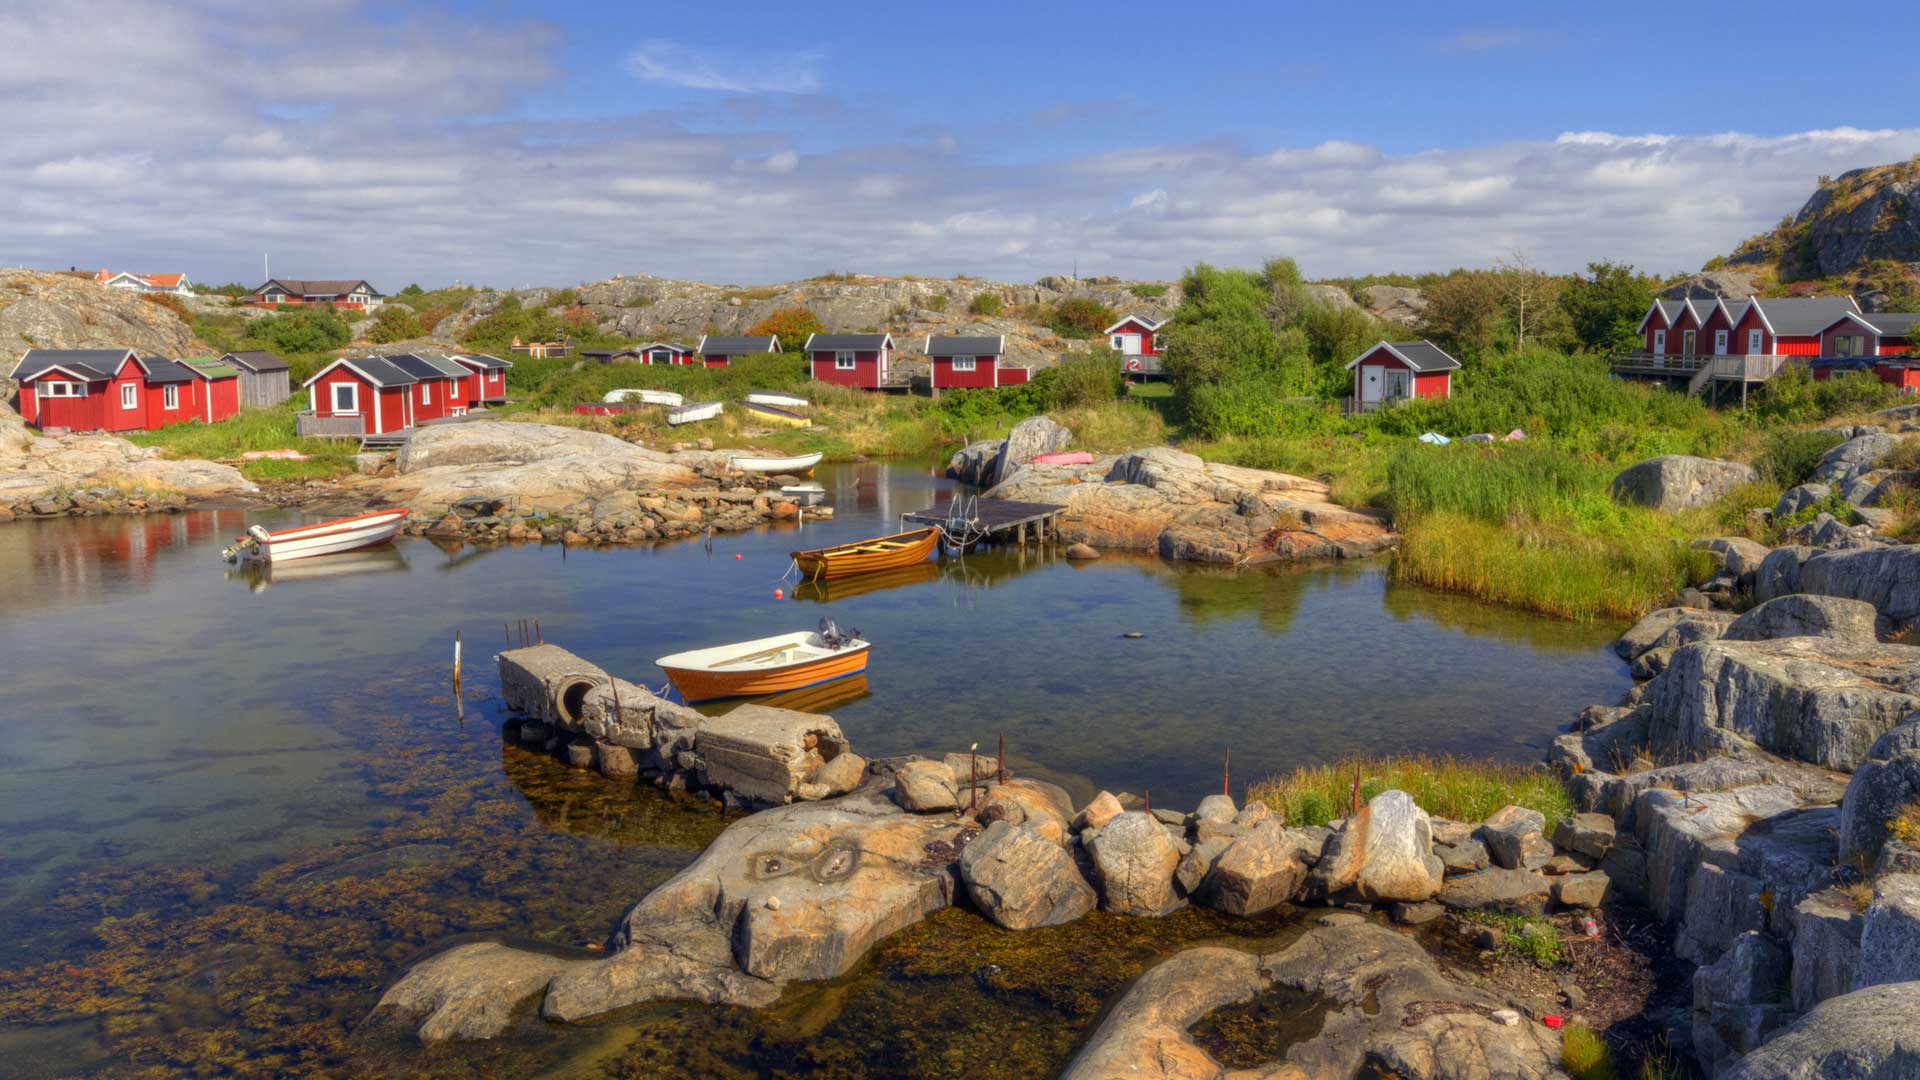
point(120, 390)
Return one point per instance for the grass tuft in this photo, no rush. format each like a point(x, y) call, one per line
point(1585, 1053)
point(1445, 786)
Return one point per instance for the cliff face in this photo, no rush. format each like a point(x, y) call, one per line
point(1852, 222)
point(55, 311)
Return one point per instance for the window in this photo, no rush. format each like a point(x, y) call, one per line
point(1399, 384)
point(129, 396)
point(170, 396)
point(660, 356)
point(963, 363)
point(1119, 341)
point(1846, 345)
point(1660, 342)
point(426, 394)
point(1753, 342)
point(59, 389)
point(1158, 339)
point(346, 398)
point(844, 361)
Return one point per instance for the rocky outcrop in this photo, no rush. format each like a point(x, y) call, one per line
point(1862, 216)
point(1377, 1001)
point(1886, 577)
point(1890, 933)
point(1395, 303)
point(1844, 1038)
point(1842, 465)
point(1804, 615)
point(98, 473)
point(1880, 790)
point(984, 464)
point(532, 466)
point(1022, 880)
point(470, 991)
point(1680, 482)
point(1382, 853)
point(1136, 860)
point(40, 310)
point(1173, 503)
point(1714, 284)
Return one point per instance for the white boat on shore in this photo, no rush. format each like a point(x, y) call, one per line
point(644, 397)
point(698, 411)
point(797, 464)
point(325, 538)
point(777, 398)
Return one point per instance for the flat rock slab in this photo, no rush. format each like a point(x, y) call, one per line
point(1851, 1037)
point(470, 992)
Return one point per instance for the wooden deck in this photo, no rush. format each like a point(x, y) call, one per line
point(993, 520)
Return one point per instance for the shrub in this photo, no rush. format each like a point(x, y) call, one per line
point(791, 325)
point(1585, 1053)
point(393, 323)
point(936, 302)
point(641, 300)
point(1086, 380)
point(1080, 317)
point(1607, 305)
point(565, 298)
point(1794, 396)
point(1449, 787)
point(1252, 405)
point(1789, 456)
point(1150, 290)
point(170, 302)
point(987, 305)
point(302, 330)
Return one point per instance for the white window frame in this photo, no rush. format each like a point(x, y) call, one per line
point(1755, 342)
point(1396, 384)
point(1159, 340)
point(170, 396)
point(58, 389)
point(129, 396)
point(660, 356)
point(846, 360)
point(964, 363)
point(426, 393)
point(353, 391)
point(1659, 343)
point(1118, 341)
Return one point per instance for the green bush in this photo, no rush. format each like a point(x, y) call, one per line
point(1252, 405)
point(1585, 1053)
point(1086, 380)
point(1793, 396)
point(1080, 317)
point(1150, 290)
point(1789, 456)
point(936, 302)
point(302, 330)
point(393, 323)
point(987, 305)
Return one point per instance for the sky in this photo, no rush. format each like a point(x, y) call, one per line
point(510, 143)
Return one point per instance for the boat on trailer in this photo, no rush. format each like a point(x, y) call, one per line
point(791, 464)
point(644, 397)
point(777, 398)
point(696, 412)
point(775, 414)
point(867, 556)
point(325, 538)
point(770, 665)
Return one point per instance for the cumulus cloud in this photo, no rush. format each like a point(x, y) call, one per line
point(164, 157)
point(668, 63)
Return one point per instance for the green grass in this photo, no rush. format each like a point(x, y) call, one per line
point(1524, 937)
point(1585, 1053)
point(253, 429)
point(1444, 786)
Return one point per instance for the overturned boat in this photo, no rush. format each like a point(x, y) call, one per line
point(696, 412)
point(774, 414)
point(777, 398)
point(643, 397)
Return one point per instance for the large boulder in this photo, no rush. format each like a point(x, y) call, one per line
point(925, 787)
point(470, 991)
point(1822, 700)
point(1846, 462)
point(1258, 870)
point(1886, 577)
point(1380, 1006)
point(1516, 837)
point(1801, 497)
point(1804, 615)
point(1737, 555)
point(1136, 860)
point(1851, 1037)
point(1511, 892)
point(1825, 928)
point(1680, 482)
point(1382, 853)
point(1741, 998)
point(1022, 879)
point(1029, 439)
point(1890, 933)
point(1779, 572)
point(1879, 791)
point(535, 466)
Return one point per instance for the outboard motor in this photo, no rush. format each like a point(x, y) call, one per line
point(830, 634)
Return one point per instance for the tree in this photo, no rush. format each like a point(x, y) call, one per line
point(1220, 330)
point(1526, 293)
point(412, 290)
point(1606, 306)
point(791, 325)
point(303, 330)
point(1080, 317)
point(1462, 314)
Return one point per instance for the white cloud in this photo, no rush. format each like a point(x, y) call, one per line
point(668, 63)
point(783, 162)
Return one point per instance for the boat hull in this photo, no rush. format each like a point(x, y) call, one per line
point(1072, 457)
point(773, 414)
point(797, 465)
point(326, 538)
point(882, 553)
point(693, 414)
point(697, 684)
point(644, 397)
point(770, 397)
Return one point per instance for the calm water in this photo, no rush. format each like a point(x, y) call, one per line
point(235, 807)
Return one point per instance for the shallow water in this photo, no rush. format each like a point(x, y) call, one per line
point(235, 807)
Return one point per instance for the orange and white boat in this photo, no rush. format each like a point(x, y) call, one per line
point(867, 556)
point(772, 665)
point(325, 538)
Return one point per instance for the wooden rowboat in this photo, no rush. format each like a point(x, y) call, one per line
point(775, 397)
point(794, 465)
point(644, 397)
point(693, 414)
point(325, 538)
point(867, 556)
point(773, 665)
point(774, 414)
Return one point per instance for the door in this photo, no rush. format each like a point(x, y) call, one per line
point(1719, 343)
point(1128, 344)
point(1753, 343)
point(1687, 342)
point(1659, 343)
point(1370, 382)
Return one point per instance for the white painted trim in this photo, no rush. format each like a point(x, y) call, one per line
point(852, 362)
point(1145, 322)
point(1648, 317)
point(333, 399)
point(972, 363)
point(170, 397)
point(129, 396)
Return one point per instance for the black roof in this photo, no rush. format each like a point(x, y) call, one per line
point(848, 341)
point(255, 361)
point(383, 371)
point(737, 344)
point(415, 366)
point(1423, 355)
point(93, 363)
point(953, 345)
point(162, 370)
point(491, 363)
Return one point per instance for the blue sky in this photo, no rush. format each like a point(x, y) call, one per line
point(512, 143)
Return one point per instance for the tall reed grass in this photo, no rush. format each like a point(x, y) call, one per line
point(1445, 786)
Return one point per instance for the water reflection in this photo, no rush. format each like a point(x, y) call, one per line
point(258, 577)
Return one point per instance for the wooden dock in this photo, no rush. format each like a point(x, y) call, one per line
point(990, 520)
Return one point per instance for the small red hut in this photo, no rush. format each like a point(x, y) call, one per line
point(1401, 371)
point(858, 360)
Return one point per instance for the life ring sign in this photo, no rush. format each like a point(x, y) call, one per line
point(1133, 363)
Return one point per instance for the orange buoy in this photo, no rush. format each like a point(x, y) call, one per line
point(779, 594)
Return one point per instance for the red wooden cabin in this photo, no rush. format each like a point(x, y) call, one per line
point(859, 360)
point(969, 362)
point(1881, 343)
point(440, 387)
point(368, 390)
point(1137, 339)
point(487, 385)
point(718, 350)
point(119, 390)
point(1400, 371)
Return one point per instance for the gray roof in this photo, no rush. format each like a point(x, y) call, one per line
point(448, 365)
point(420, 367)
point(320, 286)
point(954, 345)
point(255, 361)
point(1892, 323)
point(1423, 355)
point(382, 371)
point(162, 370)
point(864, 342)
point(491, 363)
point(94, 363)
point(1800, 316)
point(738, 344)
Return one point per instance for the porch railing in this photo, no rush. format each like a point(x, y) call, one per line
point(309, 425)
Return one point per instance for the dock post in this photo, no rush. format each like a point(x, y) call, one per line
point(456, 663)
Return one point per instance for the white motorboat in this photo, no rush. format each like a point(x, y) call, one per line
point(644, 397)
point(804, 494)
point(326, 538)
point(777, 398)
point(797, 464)
point(698, 411)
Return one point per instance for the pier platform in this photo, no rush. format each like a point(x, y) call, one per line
point(997, 521)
